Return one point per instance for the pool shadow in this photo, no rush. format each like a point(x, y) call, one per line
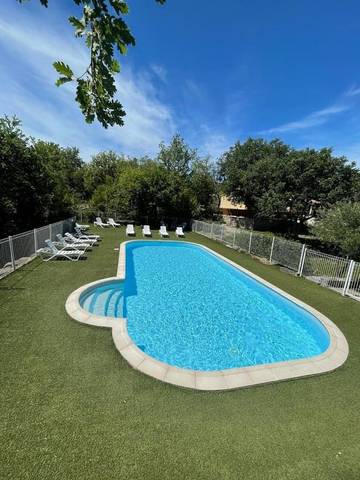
point(130, 286)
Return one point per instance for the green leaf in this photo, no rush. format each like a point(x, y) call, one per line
point(78, 24)
point(120, 6)
point(63, 69)
point(115, 66)
point(62, 80)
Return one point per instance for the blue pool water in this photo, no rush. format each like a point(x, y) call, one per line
point(188, 308)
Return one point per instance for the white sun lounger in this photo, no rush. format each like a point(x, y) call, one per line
point(112, 223)
point(179, 232)
point(130, 230)
point(163, 232)
point(79, 240)
point(99, 223)
point(82, 227)
point(68, 244)
point(51, 251)
point(146, 231)
point(82, 236)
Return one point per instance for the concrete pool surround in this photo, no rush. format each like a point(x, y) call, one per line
point(334, 356)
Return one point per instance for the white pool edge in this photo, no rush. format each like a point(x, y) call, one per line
point(335, 355)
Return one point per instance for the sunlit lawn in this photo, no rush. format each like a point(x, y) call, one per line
point(72, 408)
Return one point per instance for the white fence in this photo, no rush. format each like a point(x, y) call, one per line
point(337, 273)
point(19, 249)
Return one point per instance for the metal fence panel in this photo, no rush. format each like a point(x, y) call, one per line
point(327, 270)
point(287, 253)
point(55, 229)
point(242, 239)
point(5, 257)
point(217, 231)
point(228, 235)
point(19, 249)
point(261, 245)
point(24, 247)
point(42, 234)
point(353, 289)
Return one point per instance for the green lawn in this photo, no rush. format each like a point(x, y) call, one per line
point(72, 408)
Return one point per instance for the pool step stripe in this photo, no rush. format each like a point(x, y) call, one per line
point(116, 307)
point(107, 303)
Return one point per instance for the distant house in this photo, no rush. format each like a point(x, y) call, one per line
point(228, 208)
point(234, 214)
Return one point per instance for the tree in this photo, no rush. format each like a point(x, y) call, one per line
point(278, 182)
point(204, 188)
point(177, 157)
point(103, 168)
point(340, 225)
point(102, 27)
point(63, 168)
point(25, 192)
point(247, 169)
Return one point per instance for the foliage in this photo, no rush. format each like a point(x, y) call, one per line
point(340, 225)
point(39, 181)
point(176, 184)
point(177, 157)
point(278, 182)
point(103, 169)
point(104, 32)
point(204, 186)
point(63, 168)
point(24, 186)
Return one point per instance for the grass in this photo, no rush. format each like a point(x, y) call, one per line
point(72, 408)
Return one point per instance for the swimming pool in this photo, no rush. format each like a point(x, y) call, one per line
point(188, 308)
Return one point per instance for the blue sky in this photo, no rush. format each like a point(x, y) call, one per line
point(213, 71)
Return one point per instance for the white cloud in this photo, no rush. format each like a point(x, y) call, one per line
point(48, 112)
point(353, 91)
point(160, 71)
point(211, 141)
point(316, 118)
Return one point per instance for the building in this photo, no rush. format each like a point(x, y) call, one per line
point(228, 208)
point(234, 214)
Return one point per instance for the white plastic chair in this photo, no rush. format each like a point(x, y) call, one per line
point(163, 232)
point(82, 236)
point(82, 227)
point(99, 223)
point(146, 231)
point(69, 245)
point(130, 230)
point(79, 240)
point(179, 232)
point(112, 223)
point(51, 251)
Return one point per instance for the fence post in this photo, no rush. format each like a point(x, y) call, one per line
point(12, 252)
point(212, 230)
point(222, 233)
point(234, 238)
point(302, 262)
point(50, 229)
point(35, 241)
point(301, 258)
point(272, 249)
point(250, 240)
point(348, 277)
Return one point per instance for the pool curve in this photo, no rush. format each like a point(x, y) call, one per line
point(223, 375)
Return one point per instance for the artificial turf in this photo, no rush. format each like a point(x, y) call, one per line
point(72, 408)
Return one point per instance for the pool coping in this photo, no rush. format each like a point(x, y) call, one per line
point(242, 377)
